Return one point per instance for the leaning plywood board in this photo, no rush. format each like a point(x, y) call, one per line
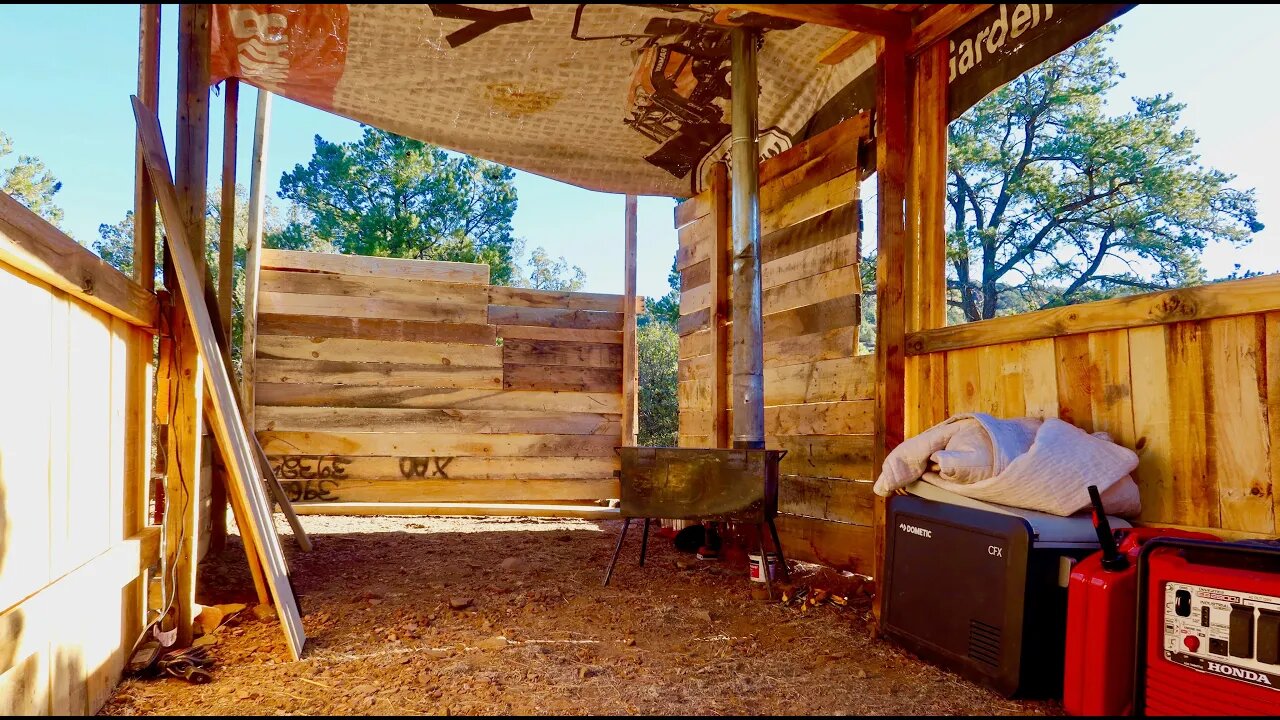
point(230, 432)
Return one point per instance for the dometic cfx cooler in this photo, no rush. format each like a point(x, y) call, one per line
point(981, 589)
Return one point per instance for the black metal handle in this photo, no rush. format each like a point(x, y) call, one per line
point(1111, 558)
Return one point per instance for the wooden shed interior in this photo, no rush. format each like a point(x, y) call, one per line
point(107, 386)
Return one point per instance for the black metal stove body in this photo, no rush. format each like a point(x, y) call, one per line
point(699, 484)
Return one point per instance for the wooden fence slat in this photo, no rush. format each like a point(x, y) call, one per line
point(506, 490)
point(404, 468)
point(378, 374)
point(372, 286)
point(1202, 302)
point(450, 421)
point(282, 347)
point(363, 265)
point(1239, 445)
point(419, 444)
point(327, 395)
point(376, 329)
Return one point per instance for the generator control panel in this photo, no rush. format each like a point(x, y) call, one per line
point(1223, 632)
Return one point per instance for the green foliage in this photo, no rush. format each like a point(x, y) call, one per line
point(115, 245)
point(548, 273)
point(657, 347)
point(391, 196)
point(30, 183)
point(665, 309)
point(1054, 200)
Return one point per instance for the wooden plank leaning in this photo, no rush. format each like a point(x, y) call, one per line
point(232, 437)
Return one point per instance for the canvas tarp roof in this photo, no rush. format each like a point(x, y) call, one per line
point(618, 98)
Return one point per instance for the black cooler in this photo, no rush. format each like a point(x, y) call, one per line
point(981, 589)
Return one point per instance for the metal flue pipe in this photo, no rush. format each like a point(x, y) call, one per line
point(748, 348)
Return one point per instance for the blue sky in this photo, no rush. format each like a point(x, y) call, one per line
point(66, 77)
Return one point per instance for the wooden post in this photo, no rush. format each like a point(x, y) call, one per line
point(226, 289)
point(719, 185)
point(926, 274)
point(141, 372)
point(630, 378)
point(186, 374)
point(892, 154)
point(144, 199)
point(227, 228)
point(252, 262)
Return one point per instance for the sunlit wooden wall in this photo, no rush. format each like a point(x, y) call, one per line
point(819, 392)
point(1189, 379)
point(74, 413)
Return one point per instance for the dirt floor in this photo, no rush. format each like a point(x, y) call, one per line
point(539, 635)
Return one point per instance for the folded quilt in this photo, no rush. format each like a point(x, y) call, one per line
point(1024, 462)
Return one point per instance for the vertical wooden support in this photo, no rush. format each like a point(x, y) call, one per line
point(226, 288)
point(926, 274)
point(139, 414)
point(227, 228)
point(144, 199)
point(252, 262)
point(630, 377)
point(720, 306)
point(183, 493)
point(892, 158)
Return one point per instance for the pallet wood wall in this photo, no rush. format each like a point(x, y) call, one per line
point(74, 437)
point(819, 393)
point(413, 382)
point(1189, 379)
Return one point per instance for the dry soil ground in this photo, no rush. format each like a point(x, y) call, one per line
point(540, 635)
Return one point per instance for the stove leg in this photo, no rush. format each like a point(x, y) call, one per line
point(764, 565)
point(777, 544)
point(644, 542)
point(626, 523)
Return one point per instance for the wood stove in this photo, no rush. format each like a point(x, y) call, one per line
point(699, 484)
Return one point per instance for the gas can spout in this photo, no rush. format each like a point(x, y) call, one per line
point(1111, 558)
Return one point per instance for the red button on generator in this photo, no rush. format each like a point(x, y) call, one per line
point(1192, 642)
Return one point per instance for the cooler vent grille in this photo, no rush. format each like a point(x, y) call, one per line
point(984, 643)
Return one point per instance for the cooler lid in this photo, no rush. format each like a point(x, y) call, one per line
point(1046, 529)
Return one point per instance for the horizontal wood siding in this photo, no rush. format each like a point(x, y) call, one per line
point(388, 383)
point(819, 394)
point(1198, 400)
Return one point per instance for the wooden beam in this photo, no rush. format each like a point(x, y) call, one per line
point(892, 157)
point(844, 16)
point(227, 424)
point(926, 301)
point(491, 510)
point(253, 256)
point(30, 244)
point(941, 24)
point(226, 288)
point(719, 324)
point(144, 200)
point(1203, 302)
point(845, 47)
point(630, 378)
point(227, 226)
point(191, 149)
point(185, 430)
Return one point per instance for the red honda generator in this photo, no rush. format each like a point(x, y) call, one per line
point(1209, 632)
point(1172, 622)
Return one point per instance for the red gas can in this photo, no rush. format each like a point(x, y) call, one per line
point(1101, 626)
point(1209, 628)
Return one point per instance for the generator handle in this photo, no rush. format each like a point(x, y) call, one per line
point(1112, 560)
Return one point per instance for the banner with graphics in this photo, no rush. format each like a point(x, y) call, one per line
point(618, 98)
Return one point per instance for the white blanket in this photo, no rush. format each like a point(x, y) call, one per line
point(1028, 463)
